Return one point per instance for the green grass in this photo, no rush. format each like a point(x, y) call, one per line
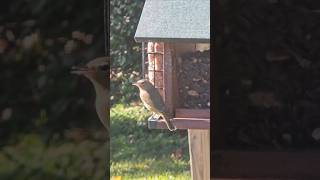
point(30, 158)
point(140, 153)
point(136, 152)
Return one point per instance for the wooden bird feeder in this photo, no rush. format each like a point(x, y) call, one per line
point(175, 37)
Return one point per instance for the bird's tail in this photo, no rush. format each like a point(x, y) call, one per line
point(169, 124)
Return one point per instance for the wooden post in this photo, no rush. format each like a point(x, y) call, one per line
point(168, 76)
point(199, 149)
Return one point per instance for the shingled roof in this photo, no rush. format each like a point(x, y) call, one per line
point(174, 20)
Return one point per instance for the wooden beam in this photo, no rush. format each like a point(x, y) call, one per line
point(193, 113)
point(181, 123)
point(185, 119)
point(258, 165)
point(168, 72)
point(199, 149)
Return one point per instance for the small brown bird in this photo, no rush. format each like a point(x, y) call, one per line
point(95, 72)
point(153, 101)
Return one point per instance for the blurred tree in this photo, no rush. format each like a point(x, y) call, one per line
point(125, 52)
point(39, 41)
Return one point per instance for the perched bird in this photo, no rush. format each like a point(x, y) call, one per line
point(153, 101)
point(97, 72)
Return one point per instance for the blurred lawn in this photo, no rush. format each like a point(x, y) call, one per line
point(79, 154)
point(140, 153)
point(78, 157)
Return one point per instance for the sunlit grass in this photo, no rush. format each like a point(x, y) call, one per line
point(140, 153)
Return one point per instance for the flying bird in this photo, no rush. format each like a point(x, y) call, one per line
point(153, 101)
point(97, 72)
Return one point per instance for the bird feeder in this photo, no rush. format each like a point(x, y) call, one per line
point(175, 37)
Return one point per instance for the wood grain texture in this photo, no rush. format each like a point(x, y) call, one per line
point(168, 78)
point(273, 165)
point(192, 113)
point(181, 123)
point(199, 149)
point(175, 93)
point(185, 119)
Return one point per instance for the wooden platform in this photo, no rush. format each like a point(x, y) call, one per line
point(185, 119)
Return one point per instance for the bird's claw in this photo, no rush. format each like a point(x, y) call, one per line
point(150, 118)
point(156, 116)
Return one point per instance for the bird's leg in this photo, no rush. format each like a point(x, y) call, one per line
point(156, 116)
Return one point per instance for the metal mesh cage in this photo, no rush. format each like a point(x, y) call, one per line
point(153, 64)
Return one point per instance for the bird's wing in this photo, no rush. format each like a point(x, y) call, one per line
point(153, 101)
point(102, 101)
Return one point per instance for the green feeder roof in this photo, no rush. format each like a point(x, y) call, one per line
point(174, 21)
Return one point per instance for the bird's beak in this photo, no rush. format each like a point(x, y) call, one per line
point(134, 84)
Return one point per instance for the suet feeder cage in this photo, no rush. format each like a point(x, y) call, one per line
point(175, 37)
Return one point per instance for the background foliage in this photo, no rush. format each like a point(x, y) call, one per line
point(39, 44)
point(125, 52)
point(48, 122)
